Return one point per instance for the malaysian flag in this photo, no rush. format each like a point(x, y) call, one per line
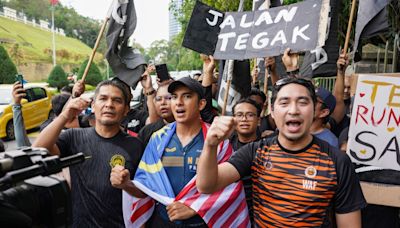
point(225, 208)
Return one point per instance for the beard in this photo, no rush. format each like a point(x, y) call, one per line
point(109, 123)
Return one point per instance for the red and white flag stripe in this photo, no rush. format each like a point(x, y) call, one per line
point(225, 208)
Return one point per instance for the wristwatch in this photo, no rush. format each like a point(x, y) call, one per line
point(151, 92)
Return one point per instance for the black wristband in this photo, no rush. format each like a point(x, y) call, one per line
point(293, 73)
point(150, 92)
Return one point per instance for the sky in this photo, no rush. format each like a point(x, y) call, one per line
point(152, 17)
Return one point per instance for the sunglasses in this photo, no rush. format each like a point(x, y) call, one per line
point(289, 80)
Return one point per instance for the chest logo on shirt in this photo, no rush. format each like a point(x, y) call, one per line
point(173, 149)
point(310, 172)
point(117, 160)
point(268, 165)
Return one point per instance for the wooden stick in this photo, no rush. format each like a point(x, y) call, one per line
point(346, 43)
point(96, 45)
point(230, 70)
point(266, 81)
point(228, 84)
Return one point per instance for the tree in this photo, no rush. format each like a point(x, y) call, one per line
point(17, 54)
point(57, 77)
point(94, 75)
point(7, 68)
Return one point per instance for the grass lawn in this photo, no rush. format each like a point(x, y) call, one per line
point(36, 44)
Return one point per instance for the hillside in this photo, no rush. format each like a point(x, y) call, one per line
point(35, 44)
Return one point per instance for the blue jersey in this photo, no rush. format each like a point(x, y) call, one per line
point(180, 164)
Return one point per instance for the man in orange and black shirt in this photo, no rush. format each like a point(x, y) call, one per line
point(297, 178)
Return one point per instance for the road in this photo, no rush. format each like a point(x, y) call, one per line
point(12, 145)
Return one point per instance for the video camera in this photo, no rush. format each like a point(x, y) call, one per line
point(29, 194)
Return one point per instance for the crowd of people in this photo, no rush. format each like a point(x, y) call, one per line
point(288, 150)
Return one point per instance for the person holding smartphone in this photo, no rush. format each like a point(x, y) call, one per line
point(18, 93)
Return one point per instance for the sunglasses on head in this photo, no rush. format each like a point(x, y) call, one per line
point(289, 80)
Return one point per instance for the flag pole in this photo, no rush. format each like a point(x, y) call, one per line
point(96, 45)
point(228, 84)
point(54, 37)
point(346, 43)
point(266, 81)
point(265, 6)
point(230, 71)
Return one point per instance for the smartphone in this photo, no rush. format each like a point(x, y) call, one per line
point(162, 72)
point(20, 79)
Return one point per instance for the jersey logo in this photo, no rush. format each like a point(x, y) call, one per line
point(117, 160)
point(173, 149)
point(268, 165)
point(309, 184)
point(310, 172)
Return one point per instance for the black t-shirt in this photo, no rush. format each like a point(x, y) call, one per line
point(81, 123)
point(135, 120)
point(236, 144)
point(294, 186)
point(265, 125)
point(247, 182)
point(148, 130)
point(337, 128)
point(95, 202)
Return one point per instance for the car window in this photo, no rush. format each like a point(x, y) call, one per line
point(29, 95)
point(38, 93)
point(5, 96)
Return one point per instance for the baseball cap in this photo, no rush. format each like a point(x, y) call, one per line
point(188, 82)
point(327, 97)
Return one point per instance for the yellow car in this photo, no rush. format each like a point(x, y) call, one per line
point(36, 108)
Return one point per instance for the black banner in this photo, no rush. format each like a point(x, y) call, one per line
point(203, 29)
point(245, 35)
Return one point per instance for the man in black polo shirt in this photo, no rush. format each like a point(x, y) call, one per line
point(297, 178)
point(95, 202)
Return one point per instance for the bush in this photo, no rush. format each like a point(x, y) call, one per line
point(7, 68)
point(57, 78)
point(94, 76)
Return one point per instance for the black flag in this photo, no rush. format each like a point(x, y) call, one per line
point(321, 62)
point(126, 62)
point(202, 31)
point(240, 86)
point(371, 20)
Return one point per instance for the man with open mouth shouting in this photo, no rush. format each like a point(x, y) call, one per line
point(297, 178)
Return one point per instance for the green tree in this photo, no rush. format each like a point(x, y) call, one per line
point(57, 77)
point(17, 54)
point(94, 75)
point(7, 67)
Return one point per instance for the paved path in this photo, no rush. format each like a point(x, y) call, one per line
point(12, 145)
